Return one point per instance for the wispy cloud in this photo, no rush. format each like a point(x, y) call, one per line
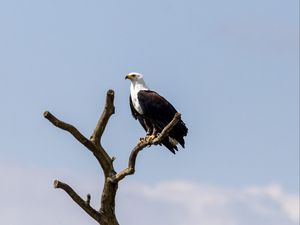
point(28, 198)
point(195, 203)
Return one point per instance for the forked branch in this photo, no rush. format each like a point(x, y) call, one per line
point(93, 144)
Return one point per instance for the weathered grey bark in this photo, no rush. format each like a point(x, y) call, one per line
point(106, 214)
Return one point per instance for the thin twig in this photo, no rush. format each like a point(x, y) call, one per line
point(88, 199)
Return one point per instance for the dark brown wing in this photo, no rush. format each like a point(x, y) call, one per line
point(161, 112)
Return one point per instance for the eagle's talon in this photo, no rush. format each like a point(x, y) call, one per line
point(151, 137)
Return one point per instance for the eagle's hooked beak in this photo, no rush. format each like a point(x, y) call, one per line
point(129, 77)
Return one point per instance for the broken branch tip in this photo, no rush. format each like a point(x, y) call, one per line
point(46, 114)
point(55, 183)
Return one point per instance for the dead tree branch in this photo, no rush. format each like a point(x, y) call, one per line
point(106, 214)
point(141, 145)
point(94, 143)
point(109, 109)
point(72, 130)
point(76, 198)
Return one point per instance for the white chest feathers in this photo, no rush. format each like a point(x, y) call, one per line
point(134, 90)
point(135, 87)
point(136, 104)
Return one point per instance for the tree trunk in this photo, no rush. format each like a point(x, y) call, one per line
point(108, 204)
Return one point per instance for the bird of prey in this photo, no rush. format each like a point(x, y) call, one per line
point(154, 112)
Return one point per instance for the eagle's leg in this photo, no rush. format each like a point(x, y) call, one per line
point(154, 132)
point(148, 127)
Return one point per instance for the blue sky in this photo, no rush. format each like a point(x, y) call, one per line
point(231, 68)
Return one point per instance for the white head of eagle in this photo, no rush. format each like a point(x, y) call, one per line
point(154, 112)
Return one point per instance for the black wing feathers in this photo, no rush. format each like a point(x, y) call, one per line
point(161, 112)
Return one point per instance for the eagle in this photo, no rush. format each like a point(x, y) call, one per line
point(154, 112)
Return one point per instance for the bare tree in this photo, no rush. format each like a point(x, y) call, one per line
point(106, 214)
